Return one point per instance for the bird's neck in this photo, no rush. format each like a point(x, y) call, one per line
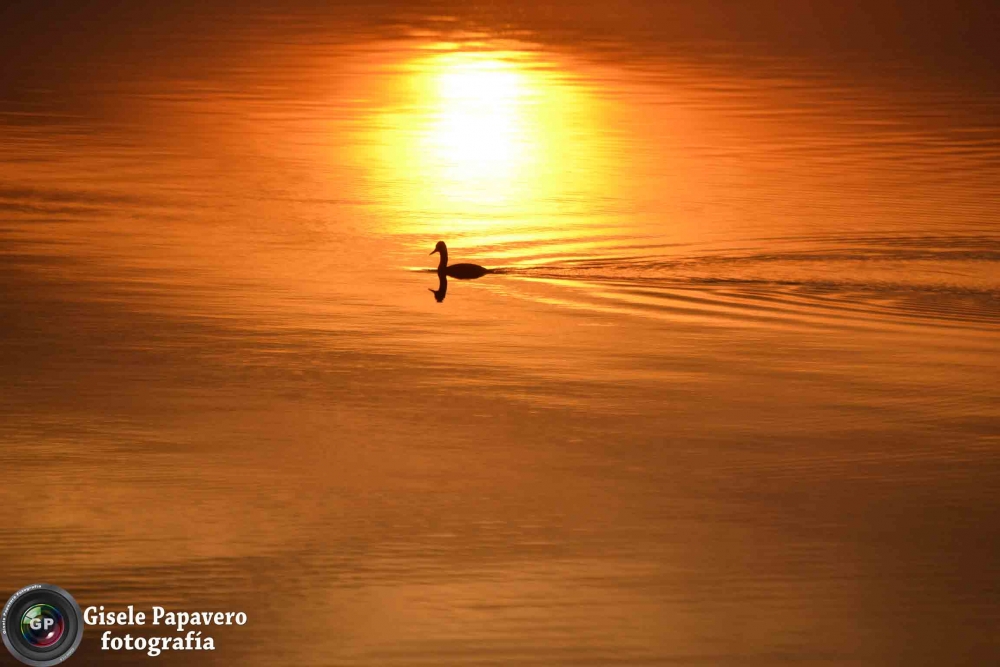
point(443, 263)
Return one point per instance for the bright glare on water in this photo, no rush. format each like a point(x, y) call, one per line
point(729, 396)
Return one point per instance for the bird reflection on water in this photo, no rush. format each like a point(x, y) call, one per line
point(459, 271)
point(442, 289)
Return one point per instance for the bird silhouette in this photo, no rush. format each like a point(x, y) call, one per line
point(460, 271)
point(442, 291)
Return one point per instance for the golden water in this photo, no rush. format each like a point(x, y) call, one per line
point(730, 399)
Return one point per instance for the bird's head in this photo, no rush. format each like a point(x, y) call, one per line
point(440, 247)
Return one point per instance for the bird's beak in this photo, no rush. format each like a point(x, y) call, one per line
point(434, 251)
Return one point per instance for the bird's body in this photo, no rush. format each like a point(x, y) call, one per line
point(465, 271)
point(460, 271)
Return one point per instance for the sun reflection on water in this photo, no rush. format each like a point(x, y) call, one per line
point(480, 134)
point(486, 144)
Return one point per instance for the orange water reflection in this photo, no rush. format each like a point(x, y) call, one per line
point(216, 368)
point(486, 143)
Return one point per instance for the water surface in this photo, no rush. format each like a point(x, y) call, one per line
point(730, 398)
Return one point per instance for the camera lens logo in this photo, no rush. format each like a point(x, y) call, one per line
point(42, 625)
